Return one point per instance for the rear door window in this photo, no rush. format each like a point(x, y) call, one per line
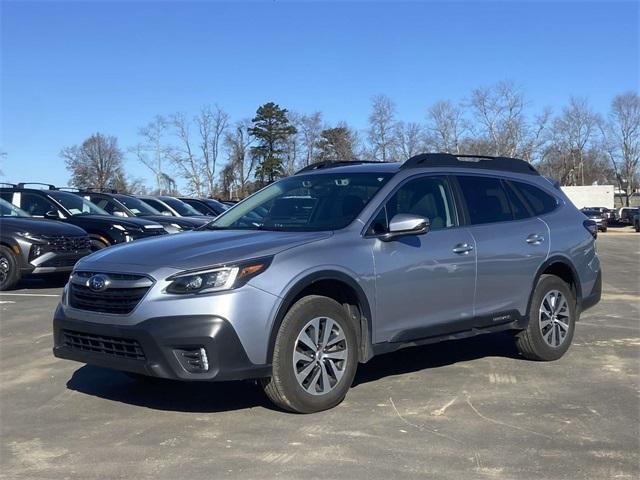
point(35, 204)
point(539, 201)
point(486, 199)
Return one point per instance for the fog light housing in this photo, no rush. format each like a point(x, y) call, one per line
point(193, 360)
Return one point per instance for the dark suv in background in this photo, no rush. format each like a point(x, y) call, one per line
point(123, 205)
point(53, 204)
point(206, 206)
point(34, 246)
point(172, 206)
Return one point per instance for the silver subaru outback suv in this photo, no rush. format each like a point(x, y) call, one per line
point(327, 268)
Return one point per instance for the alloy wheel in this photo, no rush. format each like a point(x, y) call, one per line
point(4, 269)
point(320, 356)
point(554, 318)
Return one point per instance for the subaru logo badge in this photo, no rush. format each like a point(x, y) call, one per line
point(98, 283)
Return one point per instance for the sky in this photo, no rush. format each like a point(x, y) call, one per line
point(69, 69)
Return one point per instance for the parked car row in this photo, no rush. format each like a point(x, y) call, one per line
point(604, 217)
point(46, 229)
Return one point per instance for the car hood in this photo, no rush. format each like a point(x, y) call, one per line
point(198, 249)
point(110, 219)
point(37, 226)
point(189, 222)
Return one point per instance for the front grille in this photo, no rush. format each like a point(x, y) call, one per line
point(113, 300)
point(61, 243)
point(114, 346)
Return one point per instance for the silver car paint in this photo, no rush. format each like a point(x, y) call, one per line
point(409, 283)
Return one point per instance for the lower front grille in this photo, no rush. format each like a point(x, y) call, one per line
point(59, 262)
point(113, 346)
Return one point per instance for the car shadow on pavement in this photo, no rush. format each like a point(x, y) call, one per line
point(436, 355)
point(210, 397)
point(170, 395)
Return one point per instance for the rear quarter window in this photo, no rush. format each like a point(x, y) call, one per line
point(539, 201)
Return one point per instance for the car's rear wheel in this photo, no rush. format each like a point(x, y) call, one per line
point(314, 357)
point(9, 271)
point(552, 317)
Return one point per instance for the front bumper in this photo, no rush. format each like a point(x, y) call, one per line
point(53, 262)
point(155, 347)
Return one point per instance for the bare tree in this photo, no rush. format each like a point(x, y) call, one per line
point(185, 157)
point(574, 132)
point(409, 139)
point(241, 164)
point(622, 141)
point(381, 129)
point(152, 152)
point(211, 122)
point(3, 157)
point(294, 143)
point(499, 121)
point(96, 163)
point(310, 128)
point(445, 127)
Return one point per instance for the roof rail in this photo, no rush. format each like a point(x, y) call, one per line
point(331, 164)
point(7, 184)
point(470, 161)
point(101, 190)
point(68, 189)
point(48, 185)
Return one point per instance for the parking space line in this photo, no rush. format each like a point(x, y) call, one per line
point(30, 294)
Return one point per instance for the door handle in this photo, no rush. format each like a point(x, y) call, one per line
point(535, 239)
point(462, 248)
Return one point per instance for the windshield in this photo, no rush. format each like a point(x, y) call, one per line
point(76, 205)
point(9, 210)
point(180, 207)
point(137, 206)
point(304, 203)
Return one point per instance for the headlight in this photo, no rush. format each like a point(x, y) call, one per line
point(172, 228)
point(216, 279)
point(129, 228)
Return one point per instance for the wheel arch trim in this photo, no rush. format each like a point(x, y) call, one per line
point(365, 327)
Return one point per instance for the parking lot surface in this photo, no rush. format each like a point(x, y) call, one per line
point(466, 409)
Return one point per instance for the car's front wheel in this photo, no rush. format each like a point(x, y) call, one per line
point(552, 317)
point(9, 271)
point(315, 356)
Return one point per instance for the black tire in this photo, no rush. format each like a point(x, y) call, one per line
point(10, 273)
point(282, 387)
point(530, 342)
point(603, 229)
point(97, 244)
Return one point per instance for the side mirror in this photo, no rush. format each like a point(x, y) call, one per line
point(119, 213)
point(52, 215)
point(404, 224)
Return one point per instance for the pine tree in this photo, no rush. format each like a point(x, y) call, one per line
point(271, 130)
